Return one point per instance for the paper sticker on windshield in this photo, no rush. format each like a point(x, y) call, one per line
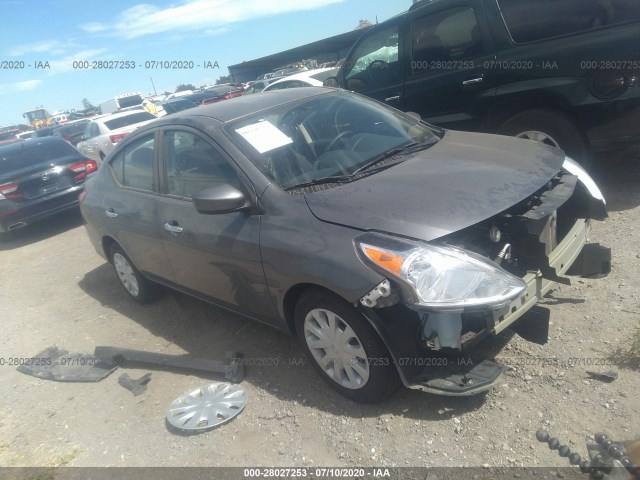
point(264, 136)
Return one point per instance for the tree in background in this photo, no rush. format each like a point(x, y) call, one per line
point(86, 104)
point(224, 79)
point(184, 86)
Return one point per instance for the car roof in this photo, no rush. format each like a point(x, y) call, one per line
point(238, 107)
point(111, 116)
point(26, 144)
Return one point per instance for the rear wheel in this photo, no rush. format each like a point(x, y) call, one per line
point(344, 348)
point(550, 127)
point(134, 283)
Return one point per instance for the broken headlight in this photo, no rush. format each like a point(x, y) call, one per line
point(440, 277)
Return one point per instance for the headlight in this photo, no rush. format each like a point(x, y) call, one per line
point(440, 277)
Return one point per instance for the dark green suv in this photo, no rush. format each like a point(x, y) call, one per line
point(564, 72)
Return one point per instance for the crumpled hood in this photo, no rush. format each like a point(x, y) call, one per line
point(463, 179)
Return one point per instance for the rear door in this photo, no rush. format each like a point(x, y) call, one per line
point(129, 212)
point(213, 255)
point(450, 78)
point(89, 144)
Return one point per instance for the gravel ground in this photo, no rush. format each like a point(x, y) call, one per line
point(57, 291)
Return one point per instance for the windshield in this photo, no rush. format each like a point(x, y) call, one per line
point(334, 135)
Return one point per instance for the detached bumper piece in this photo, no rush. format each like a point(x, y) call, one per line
point(458, 376)
point(232, 367)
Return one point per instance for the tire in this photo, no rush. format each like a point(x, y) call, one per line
point(553, 128)
point(360, 369)
point(134, 283)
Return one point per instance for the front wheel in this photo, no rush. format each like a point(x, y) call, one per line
point(134, 283)
point(344, 348)
point(552, 128)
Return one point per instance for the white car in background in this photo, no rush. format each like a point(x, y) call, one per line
point(103, 133)
point(309, 78)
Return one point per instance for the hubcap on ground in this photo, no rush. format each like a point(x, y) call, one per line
point(126, 274)
point(207, 407)
point(336, 348)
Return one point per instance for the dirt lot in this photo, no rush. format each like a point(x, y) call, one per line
point(57, 291)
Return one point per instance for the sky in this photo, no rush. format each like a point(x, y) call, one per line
point(39, 43)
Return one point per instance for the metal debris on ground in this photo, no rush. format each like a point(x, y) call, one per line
point(207, 407)
point(232, 367)
point(135, 386)
point(608, 376)
point(62, 366)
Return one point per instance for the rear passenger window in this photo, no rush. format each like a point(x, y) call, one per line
point(133, 167)
point(529, 21)
point(192, 165)
point(452, 34)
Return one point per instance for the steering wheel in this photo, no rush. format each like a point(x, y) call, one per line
point(340, 136)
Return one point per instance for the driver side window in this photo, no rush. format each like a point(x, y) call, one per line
point(192, 165)
point(375, 61)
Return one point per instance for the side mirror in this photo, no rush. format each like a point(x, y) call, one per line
point(356, 84)
point(223, 198)
point(331, 82)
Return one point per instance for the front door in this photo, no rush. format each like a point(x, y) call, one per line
point(214, 255)
point(375, 68)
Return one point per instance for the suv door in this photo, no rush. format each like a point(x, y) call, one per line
point(374, 67)
point(449, 79)
point(214, 255)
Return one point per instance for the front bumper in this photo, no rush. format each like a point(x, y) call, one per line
point(560, 260)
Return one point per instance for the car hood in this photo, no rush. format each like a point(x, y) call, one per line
point(460, 181)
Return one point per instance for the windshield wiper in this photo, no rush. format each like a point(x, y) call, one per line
point(405, 150)
point(323, 180)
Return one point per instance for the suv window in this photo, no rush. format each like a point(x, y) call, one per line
point(133, 167)
point(375, 59)
point(192, 164)
point(453, 34)
point(529, 21)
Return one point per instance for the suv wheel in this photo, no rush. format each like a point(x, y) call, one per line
point(134, 283)
point(552, 128)
point(344, 348)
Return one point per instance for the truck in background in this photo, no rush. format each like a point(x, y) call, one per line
point(121, 102)
point(564, 73)
point(39, 118)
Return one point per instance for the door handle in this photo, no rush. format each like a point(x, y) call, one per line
point(395, 98)
point(473, 81)
point(110, 213)
point(173, 227)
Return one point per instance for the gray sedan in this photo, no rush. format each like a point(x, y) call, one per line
point(386, 245)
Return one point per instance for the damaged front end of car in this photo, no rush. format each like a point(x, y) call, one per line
point(440, 298)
